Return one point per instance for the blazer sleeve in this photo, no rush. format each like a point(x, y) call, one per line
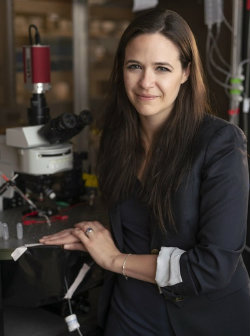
point(224, 188)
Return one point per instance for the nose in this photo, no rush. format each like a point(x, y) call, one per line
point(147, 79)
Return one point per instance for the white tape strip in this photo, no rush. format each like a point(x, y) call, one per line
point(16, 254)
point(32, 245)
point(81, 275)
point(19, 251)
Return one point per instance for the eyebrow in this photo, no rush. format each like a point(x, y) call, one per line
point(156, 63)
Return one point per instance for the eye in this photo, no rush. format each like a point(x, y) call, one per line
point(134, 66)
point(163, 69)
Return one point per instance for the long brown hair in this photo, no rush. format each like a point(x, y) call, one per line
point(121, 149)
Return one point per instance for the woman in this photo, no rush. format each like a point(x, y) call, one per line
point(176, 182)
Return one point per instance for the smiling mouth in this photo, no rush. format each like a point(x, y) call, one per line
point(146, 97)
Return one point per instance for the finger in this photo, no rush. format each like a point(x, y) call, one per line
point(60, 241)
point(58, 234)
point(87, 229)
point(74, 246)
point(80, 234)
point(43, 239)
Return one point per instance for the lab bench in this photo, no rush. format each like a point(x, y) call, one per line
point(33, 232)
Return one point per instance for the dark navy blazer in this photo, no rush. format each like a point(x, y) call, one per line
point(210, 211)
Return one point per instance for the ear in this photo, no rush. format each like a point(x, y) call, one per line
point(186, 73)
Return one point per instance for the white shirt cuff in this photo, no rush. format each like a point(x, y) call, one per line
point(168, 266)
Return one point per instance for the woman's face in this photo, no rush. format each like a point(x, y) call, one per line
point(153, 75)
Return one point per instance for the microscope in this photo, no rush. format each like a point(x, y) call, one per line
point(41, 149)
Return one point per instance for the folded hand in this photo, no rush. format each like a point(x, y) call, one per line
point(65, 238)
point(98, 241)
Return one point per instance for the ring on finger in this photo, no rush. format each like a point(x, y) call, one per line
point(88, 230)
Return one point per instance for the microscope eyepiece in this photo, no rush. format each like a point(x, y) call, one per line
point(65, 127)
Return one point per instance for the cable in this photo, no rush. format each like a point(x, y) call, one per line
point(214, 45)
point(37, 35)
point(240, 70)
point(214, 15)
point(74, 319)
point(221, 58)
point(10, 182)
point(46, 218)
point(229, 87)
point(38, 213)
point(227, 23)
point(247, 60)
point(226, 82)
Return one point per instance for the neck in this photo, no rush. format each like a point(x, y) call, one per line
point(148, 129)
